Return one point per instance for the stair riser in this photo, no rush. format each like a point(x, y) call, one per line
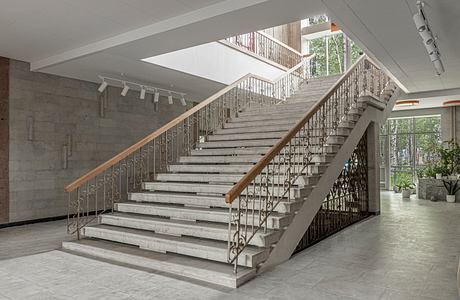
point(208, 178)
point(285, 127)
point(296, 158)
point(163, 246)
point(274, 111)
point(194, 273)
point(172, 212)
point(252, 151)
point(295, 193)
point(247, 136)
point(196, 201)
point(264, 117)
point(260, 123)
point(259, 240)
point(221, 169)
point(338, 140)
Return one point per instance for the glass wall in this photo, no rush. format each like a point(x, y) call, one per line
point(407, 144)
point(331, 52)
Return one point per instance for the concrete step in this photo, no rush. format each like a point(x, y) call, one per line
point(240, 143)
point(211, 231)
point(247, 136)
point(211, 178)
point(230, 151)
point(270, 128)
point(206, 249)
point(206, 201)
point(272, 110)
point(177, 265)
point(237, 159)
point(219, 189)
point(239, 169)
point(244, 159)
point(258, 151)
point(260, 123)
point(332, 139)
point(286, 105)
point(275, 116)
point(218, 215)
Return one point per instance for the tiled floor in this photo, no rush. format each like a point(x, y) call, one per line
point(411, 251)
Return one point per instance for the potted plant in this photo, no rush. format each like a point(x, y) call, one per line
point(440, 170)
point(450, 158)
point(452, 188)
point(429, 171)
point(406, 188)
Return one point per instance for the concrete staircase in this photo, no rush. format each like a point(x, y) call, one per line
point(178, 224)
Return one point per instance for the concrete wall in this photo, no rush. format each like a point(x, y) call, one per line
point(44, 111)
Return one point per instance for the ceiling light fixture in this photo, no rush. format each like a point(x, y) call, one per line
point(103, 86)
point(156, 97)
point(429, 40)
point(142, 94)
point(182, 100)
point(125, 89)
point(142, 88)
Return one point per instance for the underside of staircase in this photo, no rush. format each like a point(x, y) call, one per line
point(178, 223)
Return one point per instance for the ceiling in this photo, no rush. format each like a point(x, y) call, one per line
point(82, 39)
point(386, 30)
point(111, 37)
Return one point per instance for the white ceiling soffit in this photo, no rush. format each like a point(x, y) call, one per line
point(52, 46)
point(206, 24)
point(385, 29)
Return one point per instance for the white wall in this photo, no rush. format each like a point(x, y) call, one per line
point(215, 61)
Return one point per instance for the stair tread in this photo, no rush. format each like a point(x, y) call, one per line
point(213, 210)
point(191, 242)
point(212, 226)
point(169, 263)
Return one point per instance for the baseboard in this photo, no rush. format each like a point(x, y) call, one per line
point(28, 222)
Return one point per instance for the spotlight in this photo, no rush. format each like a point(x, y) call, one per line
point(439, 67)
point(142, 95)
point(103, 86)
point(170, 99)
point(156, 97)
point(419, 21)
point(182, 100)
point(125, 89)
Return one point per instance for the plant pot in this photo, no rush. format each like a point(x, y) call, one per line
point(438, 176)
point(450, 198)
point(406, 193)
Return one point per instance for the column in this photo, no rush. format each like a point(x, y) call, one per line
point(373, 168)
point(4, 140)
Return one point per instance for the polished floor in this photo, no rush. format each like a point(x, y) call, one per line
point(410, 251)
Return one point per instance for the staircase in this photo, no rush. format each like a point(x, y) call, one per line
point(178, 223)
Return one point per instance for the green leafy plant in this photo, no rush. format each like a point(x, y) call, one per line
point(441, 168)
point(450, 157)
point(421, 172)
point(405, 185)
point(451, 186)
point(429, 171)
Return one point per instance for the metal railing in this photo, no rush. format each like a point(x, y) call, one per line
point(347, 201)
point(273, 178)
point(97, 191)
point(267, 47)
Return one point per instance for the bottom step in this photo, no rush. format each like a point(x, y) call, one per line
point(178, 265)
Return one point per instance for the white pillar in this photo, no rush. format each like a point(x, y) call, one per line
point(373, 168)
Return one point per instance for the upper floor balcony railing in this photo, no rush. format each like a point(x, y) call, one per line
point(267, 47)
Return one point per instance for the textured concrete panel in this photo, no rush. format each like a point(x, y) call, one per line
point(46, 109)
point(4, 139)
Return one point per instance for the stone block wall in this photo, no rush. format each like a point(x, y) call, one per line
point(49, 112)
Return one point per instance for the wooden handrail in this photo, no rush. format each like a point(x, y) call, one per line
point(125, 153)
point(239, 187)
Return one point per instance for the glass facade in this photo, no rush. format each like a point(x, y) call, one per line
point(407, 144)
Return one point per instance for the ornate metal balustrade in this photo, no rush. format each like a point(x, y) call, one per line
point(267, 47)
point(346, 203)
point(273, 178)
point(97, 191)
